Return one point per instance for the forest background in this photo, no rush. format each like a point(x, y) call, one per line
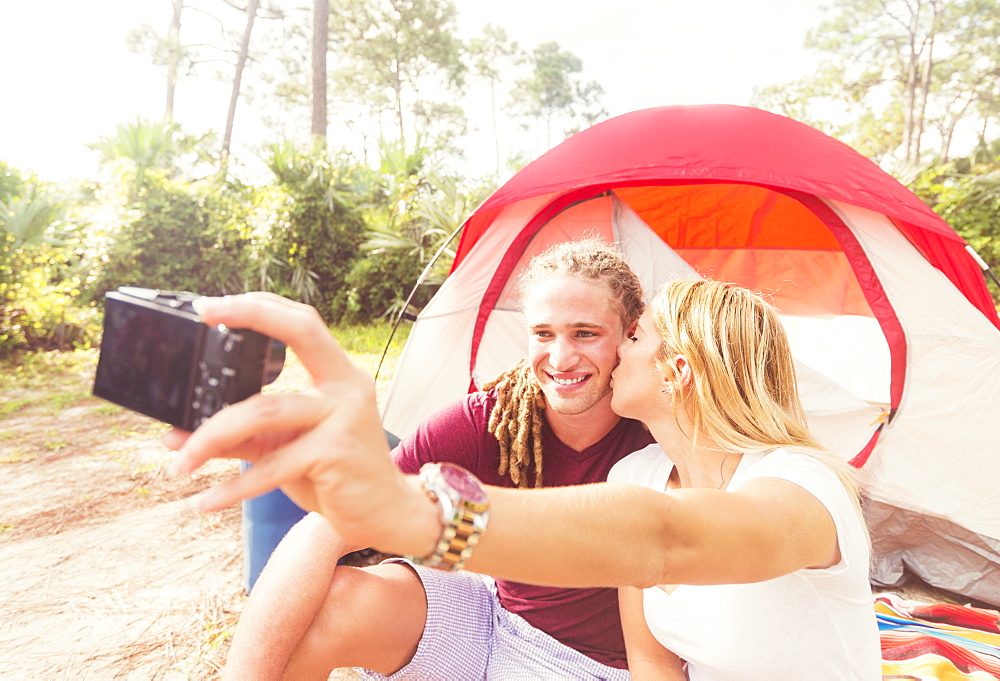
point(349, 221)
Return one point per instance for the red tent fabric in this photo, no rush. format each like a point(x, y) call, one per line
point(731, 145)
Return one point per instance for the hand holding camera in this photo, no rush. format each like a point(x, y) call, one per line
point(324, 447)
point(159, 359)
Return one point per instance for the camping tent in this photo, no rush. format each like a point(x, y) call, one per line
point(892, 326)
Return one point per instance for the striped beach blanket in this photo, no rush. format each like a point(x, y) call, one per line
point(939, 641)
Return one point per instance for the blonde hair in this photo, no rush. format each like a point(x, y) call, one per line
point(516, 419)
point(743, 392)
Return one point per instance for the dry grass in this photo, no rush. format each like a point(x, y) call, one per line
point(107, 573)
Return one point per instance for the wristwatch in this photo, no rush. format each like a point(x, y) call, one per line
point(464, 513)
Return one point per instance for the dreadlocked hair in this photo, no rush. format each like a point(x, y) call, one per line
point(589, 259)
point(516, 423)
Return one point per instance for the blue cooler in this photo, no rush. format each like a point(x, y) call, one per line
point(266, 519)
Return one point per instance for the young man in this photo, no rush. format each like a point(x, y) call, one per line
point(548, 421)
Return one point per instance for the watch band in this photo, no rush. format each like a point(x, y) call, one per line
point(456, 544)
point(464, 514)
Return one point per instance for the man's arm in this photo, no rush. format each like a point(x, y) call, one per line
point(647, 658)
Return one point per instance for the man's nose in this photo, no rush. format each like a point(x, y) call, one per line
point(563, 355)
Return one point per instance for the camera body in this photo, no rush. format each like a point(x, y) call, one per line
point(159, 359)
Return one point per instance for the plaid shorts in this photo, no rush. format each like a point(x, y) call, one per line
point(469, 636)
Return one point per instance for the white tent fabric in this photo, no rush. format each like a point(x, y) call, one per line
point(922, 484)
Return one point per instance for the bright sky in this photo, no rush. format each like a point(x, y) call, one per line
point(69, 78)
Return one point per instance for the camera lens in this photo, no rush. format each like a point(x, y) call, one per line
point(274, 361)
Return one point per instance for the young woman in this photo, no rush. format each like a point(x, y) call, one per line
point(786, 596)
point(743, 536)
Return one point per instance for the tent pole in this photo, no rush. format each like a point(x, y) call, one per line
point(982, 265)
point(413, 292)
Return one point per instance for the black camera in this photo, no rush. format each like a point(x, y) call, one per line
point(159, 359)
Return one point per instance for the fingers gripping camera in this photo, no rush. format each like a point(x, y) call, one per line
point(157, 358)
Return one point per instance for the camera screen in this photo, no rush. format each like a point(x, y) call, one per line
point(147, 360)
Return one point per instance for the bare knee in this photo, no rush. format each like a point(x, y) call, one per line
point(313, 529)
point(285, 600)
point(371, 617)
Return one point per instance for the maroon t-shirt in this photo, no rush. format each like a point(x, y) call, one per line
point(584, 619)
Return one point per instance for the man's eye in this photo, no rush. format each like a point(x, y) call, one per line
point(633, 339)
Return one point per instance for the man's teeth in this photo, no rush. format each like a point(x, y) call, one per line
point(568, 381)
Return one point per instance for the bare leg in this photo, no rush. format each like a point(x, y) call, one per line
point(304, 608)
point(285, 599)
point(372, 617)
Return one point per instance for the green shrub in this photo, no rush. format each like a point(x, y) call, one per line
point(379, 284)
point(11, 182)
point(38, 314)
point(39, 269)
point(967, 196)
point(316, 240)
point(180, 235)
point(318, 246)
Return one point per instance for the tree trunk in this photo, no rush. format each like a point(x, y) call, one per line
point(946, 137)
point(320, 41)
point(925, 91)
point(925, 85)
point(948, 131)
point(911, 78)
point(398, 88)
point(241, 62)
point(909, 104)
point(496, 131)
point(174, 39)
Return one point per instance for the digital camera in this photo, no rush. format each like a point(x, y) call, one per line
point(159, 359)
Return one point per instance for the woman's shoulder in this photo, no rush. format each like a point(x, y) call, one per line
point(823, 482)
point(788, 461)
point(798, 467)
point(648, 467)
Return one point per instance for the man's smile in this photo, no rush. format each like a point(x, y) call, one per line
point(564, 380)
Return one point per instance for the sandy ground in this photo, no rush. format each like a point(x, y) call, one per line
point(107, 573)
